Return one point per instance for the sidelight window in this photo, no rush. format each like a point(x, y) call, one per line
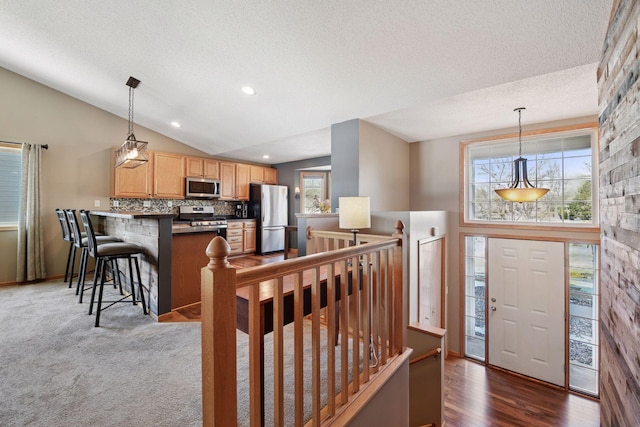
point(583, 318)
point(475, 291)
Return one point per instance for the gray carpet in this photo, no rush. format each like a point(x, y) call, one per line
point(57, 369)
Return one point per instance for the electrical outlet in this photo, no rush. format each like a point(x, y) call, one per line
point(146, 204)
point(116, 203)
point(96, 203)
point(170, 204)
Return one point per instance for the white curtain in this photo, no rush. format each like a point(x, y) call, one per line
point(30, 246)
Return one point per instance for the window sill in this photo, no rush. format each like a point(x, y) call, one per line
point(8, 227)
point(576, 228)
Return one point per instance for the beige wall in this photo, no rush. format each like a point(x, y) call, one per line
point(76, 168)
point(384, 168)
point(435, 185)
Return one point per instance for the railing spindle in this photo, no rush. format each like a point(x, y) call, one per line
point(315, 345)
point(331, 339)
point(256, 362)
point(278, 353)
point(354, 301)
point(298, 343)
point(344, 334)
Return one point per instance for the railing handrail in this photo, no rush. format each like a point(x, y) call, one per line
point(348, 236)
point(433, 353)
point(250, 275)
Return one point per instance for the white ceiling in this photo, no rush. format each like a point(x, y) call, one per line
point(419, 69)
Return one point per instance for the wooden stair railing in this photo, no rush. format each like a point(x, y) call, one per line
point(364, 305)
point(433, 353)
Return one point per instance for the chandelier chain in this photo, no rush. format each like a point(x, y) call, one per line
point(520, 131)
point(130, 110)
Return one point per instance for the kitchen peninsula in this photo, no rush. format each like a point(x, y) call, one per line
point(174, 251)
point(152, 231)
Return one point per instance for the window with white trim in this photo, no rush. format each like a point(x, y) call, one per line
point(10, 173)
point(565, 162)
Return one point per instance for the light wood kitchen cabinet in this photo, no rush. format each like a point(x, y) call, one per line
point(249, 236)
point(262, 175)
point(227, 181)
point(257, 174)
point(235, 237)
point(270, 176)
point(206, 168)
point(132, 182)
point(168, 174)
point(234, 178)
point(241, 236)
point(242, 181)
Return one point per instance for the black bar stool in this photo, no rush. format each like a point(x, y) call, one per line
point(111, 252)
point(67, 237)
point(80, 242)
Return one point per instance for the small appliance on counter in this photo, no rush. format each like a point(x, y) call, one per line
point(242, 210)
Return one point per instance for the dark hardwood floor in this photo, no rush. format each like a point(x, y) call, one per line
point(474, 395)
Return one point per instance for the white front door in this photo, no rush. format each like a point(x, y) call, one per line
point(526, 307)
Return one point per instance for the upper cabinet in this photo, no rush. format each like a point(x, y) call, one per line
point(242, 181)
point(206, 168)
point(168, 173)
point(264, 175)
point(234, 179)
point(134, 183)
point(163, 177)
point(271, 176)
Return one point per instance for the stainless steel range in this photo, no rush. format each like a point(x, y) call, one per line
point(194, 219)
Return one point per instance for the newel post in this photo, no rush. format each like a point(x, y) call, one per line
point(401, 297)
point(219, 381)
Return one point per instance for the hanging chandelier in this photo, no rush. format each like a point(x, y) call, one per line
point(521, 190)
point(132, 153)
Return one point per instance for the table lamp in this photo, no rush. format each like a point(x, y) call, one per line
point(354, 214)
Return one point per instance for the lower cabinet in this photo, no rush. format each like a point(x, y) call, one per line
point(249, 236)
point(188, 256)
point(235, 236)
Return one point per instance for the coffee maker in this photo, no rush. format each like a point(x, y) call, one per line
point(242, 210)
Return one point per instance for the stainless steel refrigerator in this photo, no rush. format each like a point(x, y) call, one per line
point(269, 205)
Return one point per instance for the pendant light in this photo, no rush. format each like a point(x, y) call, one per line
point(521, 189)
point(132, 153)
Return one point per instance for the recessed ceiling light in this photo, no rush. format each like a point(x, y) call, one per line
point(176, 125)
point(265, 156)
point(248, 90)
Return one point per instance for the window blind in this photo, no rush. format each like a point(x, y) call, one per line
point(10, 172)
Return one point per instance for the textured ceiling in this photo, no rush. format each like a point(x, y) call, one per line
point(420, 69)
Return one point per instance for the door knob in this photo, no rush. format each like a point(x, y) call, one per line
point(493, 308)
point(493, 300)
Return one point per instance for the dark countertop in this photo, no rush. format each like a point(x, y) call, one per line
point(132, 214)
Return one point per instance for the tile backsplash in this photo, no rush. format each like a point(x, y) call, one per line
point(162, 205)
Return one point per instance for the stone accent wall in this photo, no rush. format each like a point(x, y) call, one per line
point(220, 207)
point(619, 104)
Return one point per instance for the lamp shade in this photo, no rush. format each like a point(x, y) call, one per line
point(355, 212)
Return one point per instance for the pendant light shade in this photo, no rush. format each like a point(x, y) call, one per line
point(132, 153)
point(521, 190)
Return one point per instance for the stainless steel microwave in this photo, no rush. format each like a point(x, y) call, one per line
point(204, 188)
